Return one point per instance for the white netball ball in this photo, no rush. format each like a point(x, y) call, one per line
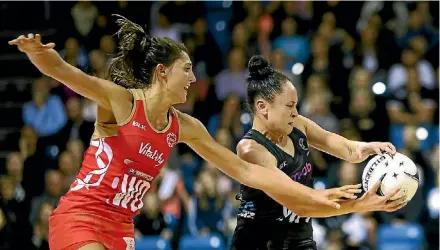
point(394, 171)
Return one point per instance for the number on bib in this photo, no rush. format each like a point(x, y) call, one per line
point(293, 218)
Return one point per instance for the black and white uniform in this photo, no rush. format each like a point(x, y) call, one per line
point(262, 223)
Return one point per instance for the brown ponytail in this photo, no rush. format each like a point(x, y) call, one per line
point(139, 54)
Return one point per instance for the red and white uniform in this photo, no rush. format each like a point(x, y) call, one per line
point(108, 191)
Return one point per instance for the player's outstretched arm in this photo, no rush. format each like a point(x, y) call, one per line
point(49, 62)
point(369, 202)
point(338, 146)
point(271, 180)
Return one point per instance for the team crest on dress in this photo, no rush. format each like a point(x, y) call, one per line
point(171, 139)
point(303, 144)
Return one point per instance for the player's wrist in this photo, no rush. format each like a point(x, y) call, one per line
point(358, 206)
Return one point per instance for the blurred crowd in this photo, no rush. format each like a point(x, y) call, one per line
point(366, 70)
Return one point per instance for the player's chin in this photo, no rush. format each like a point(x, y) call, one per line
point(181, 98)
point(289, 128)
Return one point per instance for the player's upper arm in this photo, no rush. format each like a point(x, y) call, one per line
point(316, 136)
point(194, 134)
point(103, 92)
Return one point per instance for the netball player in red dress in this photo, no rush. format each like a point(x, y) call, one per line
point(135, 131)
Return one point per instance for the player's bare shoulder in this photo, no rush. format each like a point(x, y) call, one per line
point(190, 128)
point(300, 122)
point(253, 152)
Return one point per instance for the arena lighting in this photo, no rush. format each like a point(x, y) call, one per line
point(220, 25)
point(422, 133)
point(214, 242)
point(379, 88)
point(226, 4)
point(245, 118)
point(297, 68)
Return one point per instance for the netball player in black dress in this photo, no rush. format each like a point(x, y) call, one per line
point(280, 138)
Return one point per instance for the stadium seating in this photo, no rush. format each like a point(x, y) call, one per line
point(400, 237)
point(209, 242)
point(152, 243)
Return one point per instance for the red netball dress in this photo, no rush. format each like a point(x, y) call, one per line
point(108, 191)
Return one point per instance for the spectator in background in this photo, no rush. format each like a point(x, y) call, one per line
point(68, 169)
point(75, 55)
point(76, 149)
point(321, 114)
point(107, 46)
point(89, 110)
point(365, 117)
point(418, 25)
point(45, 113)
point(84, 15)
point(368, 50)
point(295, 47)
point(397, 75)
point(151, 221)
point(207, 54)
point(229, 118)
point(6, 231)
point(14, 169)
point(41, 228)
point(410, 105)
point(278, 61)
point(98, 63)
point(77, 128)
point(315, 84)
point(36, 162)
point(13, 215)
point(241, 39)
point(359, 79)
point(319, 62)
point(224, 137)
point(205, 215)
point(164, 28)
point(233, 79)
point(393, 14)
point(52, 194)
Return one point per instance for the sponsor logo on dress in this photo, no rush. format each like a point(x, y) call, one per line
point(155, 155)
point(283, 165)
point(140, 174)
point(303, 172)
point(130, 243)
point(139, 125)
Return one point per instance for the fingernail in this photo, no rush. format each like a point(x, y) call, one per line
point(338, 206)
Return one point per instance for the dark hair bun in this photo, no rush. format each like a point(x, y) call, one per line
point(259, 68)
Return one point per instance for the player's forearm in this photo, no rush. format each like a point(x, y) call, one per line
point(343, 148)
point(47, 62)
point(280, 187)
point(321, 211)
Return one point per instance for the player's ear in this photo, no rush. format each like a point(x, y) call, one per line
point(262, 106)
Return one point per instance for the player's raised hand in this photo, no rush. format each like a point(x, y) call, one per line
point(330, 197)
point(365, 149)
point(344, 192)
point(31, 44)
point(371, 201)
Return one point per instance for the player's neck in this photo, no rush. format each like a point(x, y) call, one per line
point(262, 128)
point(158, 103)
